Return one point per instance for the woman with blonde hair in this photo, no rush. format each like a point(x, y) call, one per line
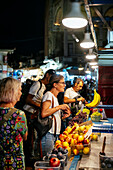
point(13, 126)
point(50, 106)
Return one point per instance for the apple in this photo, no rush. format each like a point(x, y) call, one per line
point(75, 136)
point(79, 146)
point(68, 129)
point(81, 128)
point(86, 150)
point(54, 162)
point(58, 142)
point(86, 141)
point(72, 129)
point(62, 137)
point(75, 151)
point(85, 131)
point(95, 137)
point(70, 135)
point(80, 138)
point(68, 139)
point(65, 133)
point(65, 144)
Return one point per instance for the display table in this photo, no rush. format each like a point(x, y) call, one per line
point(91, 161)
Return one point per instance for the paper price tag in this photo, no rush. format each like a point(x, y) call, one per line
point(89, 132)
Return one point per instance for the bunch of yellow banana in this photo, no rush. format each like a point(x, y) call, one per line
point(95, 101)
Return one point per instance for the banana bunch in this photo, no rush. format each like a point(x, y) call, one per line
point(95, 101)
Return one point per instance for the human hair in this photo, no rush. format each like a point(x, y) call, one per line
point(50, 72)
point(9, 88)
point(78, 80)
point(54, 79)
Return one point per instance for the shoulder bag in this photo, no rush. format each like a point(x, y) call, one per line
point(43, 125)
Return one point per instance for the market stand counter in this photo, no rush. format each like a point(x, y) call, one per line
point(91, 161)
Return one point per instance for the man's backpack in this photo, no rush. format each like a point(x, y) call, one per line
point(25, 91)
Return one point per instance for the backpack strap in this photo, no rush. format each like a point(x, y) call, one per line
point(40, 85)
point(7, 116)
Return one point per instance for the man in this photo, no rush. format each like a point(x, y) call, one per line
point(33, 104)
point(73, 97)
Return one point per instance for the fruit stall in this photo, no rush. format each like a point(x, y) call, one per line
point(80, 146)
point(85, 144)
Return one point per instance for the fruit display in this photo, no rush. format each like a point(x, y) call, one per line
point(73, 139)
point(96, 116)
point(96, 100)
point(79, 118)
point(106, 162)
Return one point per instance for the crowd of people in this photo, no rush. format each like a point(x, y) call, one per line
point(18, 136)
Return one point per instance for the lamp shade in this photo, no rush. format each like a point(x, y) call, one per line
point(80, 67)
point(93, 63)
point(87, 42)
point(87, 69)
point(75, 19)
point(91, 55)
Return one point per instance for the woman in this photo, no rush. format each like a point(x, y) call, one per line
point(13, 130)
point(50, 106)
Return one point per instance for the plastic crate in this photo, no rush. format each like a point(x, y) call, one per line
point(62, 162)
point(95, 118)
point(106, 161)
point(44, 165)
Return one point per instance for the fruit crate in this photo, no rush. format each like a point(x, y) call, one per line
point(45, 166)
point(62, 161)
point(106, 161)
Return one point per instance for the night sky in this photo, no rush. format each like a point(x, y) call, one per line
point(22, 25)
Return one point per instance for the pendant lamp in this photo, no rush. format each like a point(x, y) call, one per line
point(80, 68)
point(87, 69)
point(87, 42)
point(90, 55)
point(93, 63)
point(75, 19)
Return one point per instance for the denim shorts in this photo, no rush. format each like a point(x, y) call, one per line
point(48, 142)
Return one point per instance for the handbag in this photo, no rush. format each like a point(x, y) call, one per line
point(43, 125)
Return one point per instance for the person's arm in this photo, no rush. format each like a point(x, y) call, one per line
point(25, 136)
point(30, 101)
point(46, 111)
point(67, 100)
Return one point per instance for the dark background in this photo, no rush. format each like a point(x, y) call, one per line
point(22, 25)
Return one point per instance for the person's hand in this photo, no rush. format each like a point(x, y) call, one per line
point(81, 99)
point(66, 109)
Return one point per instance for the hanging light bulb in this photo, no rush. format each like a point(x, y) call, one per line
point(87, 69)
point(75, 19)
point(80, 68)
point(91, 55)
point(94, 66)
point(93, 63)
point(87, 42)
